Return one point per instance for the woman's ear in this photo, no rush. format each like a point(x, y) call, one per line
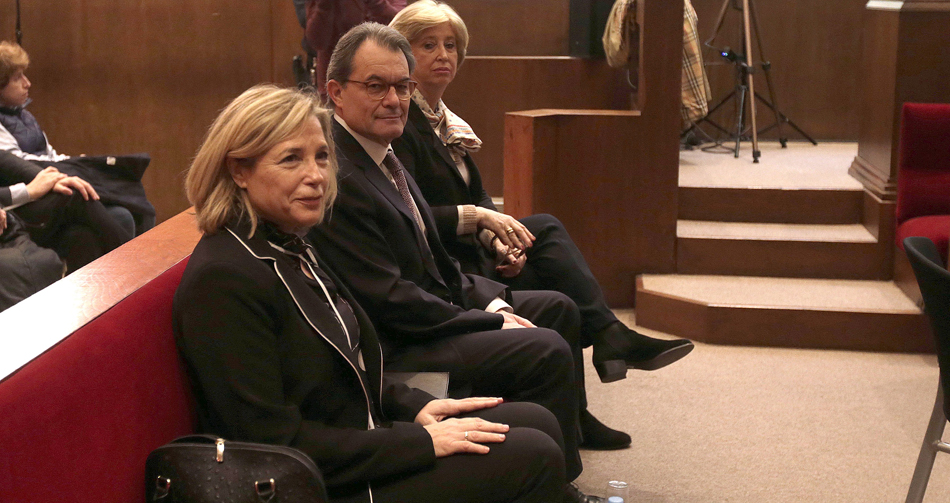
point(238, 172)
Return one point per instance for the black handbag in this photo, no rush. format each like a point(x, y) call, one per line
point(206, 469)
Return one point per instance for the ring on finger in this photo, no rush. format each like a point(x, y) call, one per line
point(466, 436)
point(509, 230)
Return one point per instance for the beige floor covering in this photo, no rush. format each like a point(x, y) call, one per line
point(801, 165)
point(789, 292)
point(840, 233)
point(740, 424)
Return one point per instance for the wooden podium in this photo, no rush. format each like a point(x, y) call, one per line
point(906, 58)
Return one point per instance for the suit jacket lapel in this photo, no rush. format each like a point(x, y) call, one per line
point(354, 152)
point(422, 125)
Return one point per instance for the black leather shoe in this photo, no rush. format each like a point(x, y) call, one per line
point(574, 495)
point(600, 437)
point(618, 348)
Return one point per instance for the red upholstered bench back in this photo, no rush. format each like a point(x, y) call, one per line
point(923, 179)
point(79, 420)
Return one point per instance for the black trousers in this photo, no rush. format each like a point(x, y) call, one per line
point(528, 467)
point(24, 267)
point(80, 231)
point(554, 263)
point(524, 365)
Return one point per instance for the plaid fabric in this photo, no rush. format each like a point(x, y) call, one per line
point(694, 83)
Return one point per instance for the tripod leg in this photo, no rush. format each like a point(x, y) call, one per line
point(740, 116)
point(766, 68)
point(719, 21)
point(748, 70)
point(783, 119)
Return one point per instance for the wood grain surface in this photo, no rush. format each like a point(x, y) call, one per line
point(42, 320)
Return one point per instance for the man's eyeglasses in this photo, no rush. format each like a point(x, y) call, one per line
point(378, 89)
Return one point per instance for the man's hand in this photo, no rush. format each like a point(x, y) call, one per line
point(67, 184)
point(511, 263)
point(515, 321)
point(3, 221)
point(43, 182)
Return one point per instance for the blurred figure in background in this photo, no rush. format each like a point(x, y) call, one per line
point(116, 179)
point(328, 20)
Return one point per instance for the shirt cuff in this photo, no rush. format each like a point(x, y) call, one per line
point(499, 305)
point(485, 237)
point(19, 194)
point(468, 219)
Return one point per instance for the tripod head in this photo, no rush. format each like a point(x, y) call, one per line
point(736, 59)
point(731, 55)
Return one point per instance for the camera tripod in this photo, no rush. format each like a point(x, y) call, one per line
point(745, 85)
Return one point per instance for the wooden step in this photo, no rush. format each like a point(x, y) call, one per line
point(784, 312)
point(771, 205)
point(845, 251)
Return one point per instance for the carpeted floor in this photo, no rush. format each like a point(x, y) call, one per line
point(740, 424)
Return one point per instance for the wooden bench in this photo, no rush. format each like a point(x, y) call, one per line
point(91, 376)
point(92, 380)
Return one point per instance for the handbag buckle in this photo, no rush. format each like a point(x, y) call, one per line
point(265, 489)
point(162, 487)
point(219, 444)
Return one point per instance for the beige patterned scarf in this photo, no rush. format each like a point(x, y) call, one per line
point(454, 132)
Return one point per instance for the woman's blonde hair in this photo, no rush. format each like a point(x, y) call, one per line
point(246, 129)
point(12, 59)
point(424, 14)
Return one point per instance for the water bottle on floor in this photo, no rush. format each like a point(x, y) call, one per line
point(617, 492)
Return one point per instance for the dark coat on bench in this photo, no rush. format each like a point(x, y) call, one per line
point(265, 354)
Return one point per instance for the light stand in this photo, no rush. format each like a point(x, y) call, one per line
point(19, 33)
point(745, 85)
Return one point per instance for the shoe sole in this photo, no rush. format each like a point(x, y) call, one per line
point(665, 358)
point(615, 370)
point(605, 448)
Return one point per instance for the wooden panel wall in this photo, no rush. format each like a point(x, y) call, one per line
point(488, 87)
point(815, 50)
point(113, 76)
point(515, 28)
point(120, 76)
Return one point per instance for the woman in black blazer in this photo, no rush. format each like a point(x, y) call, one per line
point(535, 253)
point(279, 352)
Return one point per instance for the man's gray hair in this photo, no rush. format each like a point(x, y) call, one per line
point(341, 62)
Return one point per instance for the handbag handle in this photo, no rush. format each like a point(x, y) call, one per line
point(265, 489)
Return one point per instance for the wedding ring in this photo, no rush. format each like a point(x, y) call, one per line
point(509, 231)
point(466, 436)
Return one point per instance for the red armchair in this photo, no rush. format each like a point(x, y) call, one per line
point(923, 179)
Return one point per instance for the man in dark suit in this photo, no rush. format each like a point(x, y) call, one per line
point(381, 239)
